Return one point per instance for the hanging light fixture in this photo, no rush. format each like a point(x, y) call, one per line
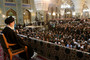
point(85, 10)
point(65, 5)
point(54, 13)
point(73, 13)
point(42, 4)
point(3, 16)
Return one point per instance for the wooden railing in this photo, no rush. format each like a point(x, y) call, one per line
point(56, 52)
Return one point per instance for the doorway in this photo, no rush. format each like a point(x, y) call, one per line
point(12, 13)
point(26, 17)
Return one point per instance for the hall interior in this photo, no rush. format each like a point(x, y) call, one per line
point(56, 29)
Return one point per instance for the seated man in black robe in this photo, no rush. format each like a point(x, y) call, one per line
point(13, 38)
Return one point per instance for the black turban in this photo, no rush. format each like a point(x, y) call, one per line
point(9, 20)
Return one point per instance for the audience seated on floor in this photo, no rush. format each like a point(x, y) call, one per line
point(72, 34)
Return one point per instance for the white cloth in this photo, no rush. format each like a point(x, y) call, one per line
point(82, 46)
point(10, 27)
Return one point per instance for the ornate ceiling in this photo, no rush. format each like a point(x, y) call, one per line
point(79, 5)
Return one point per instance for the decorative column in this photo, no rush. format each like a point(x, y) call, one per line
point(42, 8)
point(2, 12)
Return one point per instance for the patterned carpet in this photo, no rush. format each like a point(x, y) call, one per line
point(16, 57)
point(38, 57)
point(35, 58)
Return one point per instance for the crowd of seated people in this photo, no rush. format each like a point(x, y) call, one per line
point(76, 36)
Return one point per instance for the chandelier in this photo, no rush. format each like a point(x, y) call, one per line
point(65, 6)
point(42, 4)
point(85, 10)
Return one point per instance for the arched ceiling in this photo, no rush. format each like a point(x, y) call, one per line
point(81, 4)
point(78, 4)
point(88, 4)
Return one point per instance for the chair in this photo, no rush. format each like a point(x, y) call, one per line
point(8, 50)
